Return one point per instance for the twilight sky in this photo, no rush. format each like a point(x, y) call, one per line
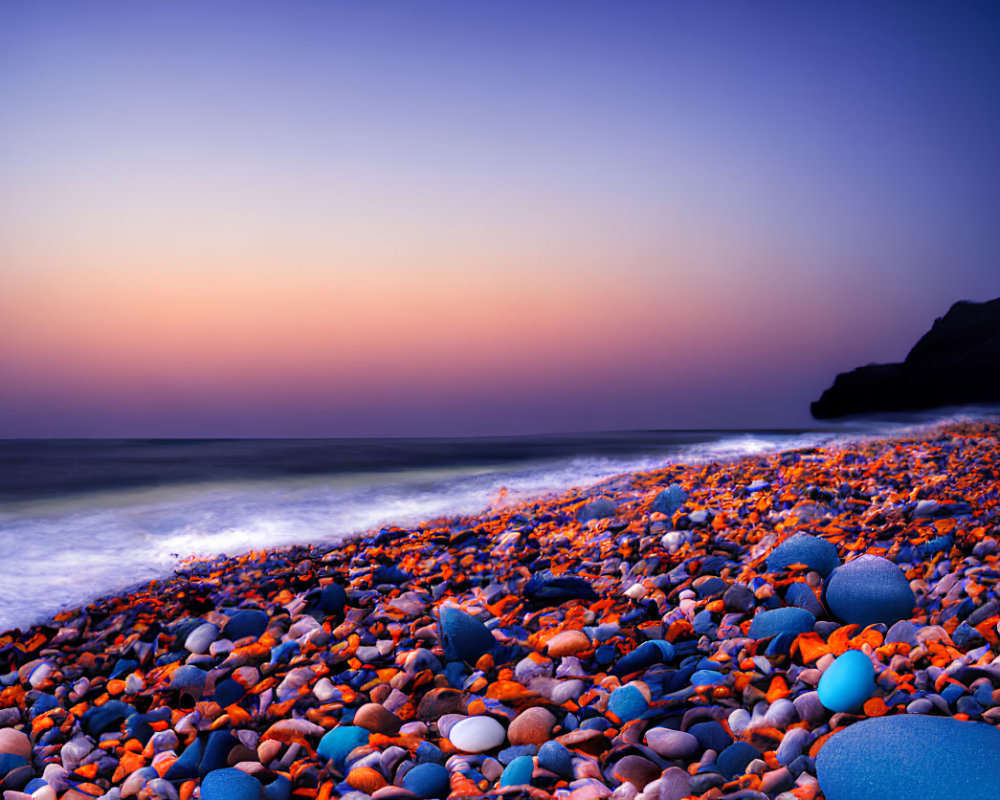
point(396, 218)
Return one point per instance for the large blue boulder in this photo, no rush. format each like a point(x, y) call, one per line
point(911, 755)
point(868, 590)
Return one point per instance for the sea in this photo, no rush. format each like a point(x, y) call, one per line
point(81, 519)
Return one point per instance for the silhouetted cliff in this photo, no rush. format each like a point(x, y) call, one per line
point(957, 362)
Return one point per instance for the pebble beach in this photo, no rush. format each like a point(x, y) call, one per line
point(816, 623)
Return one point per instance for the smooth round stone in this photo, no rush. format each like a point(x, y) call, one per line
point(568, 643)
point(668, 743)
point(230, 784)
point(847, 682)
point(627, 703)
point(636, 770)
point(556, 758)
point(188, 678)
point(910, 755)
point(518, 772)
point(531, 726)
point(332, 599)
point(15, 742)
point(801, 548)
point(201, 638)
point(428, 780)
point(377, 718)
point(734, 759)
point(246, 622)
point(781, 620)
point(867, 590)
point(477, 734)
point(707, 677)
point(337, 743)
point(463, 636)
point(670, 500)
point(675, 784)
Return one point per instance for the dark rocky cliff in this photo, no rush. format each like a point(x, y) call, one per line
point(957, 362)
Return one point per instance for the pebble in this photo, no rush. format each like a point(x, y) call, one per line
point(477, 734)
point(869, 589)
point(802, 548)
point(531, 726)
point(933, 758)
point(428, 781)
point(568, 643)
point(463, 636)
point(627, 703)
point(781, 620)
point(848, 682)
point(518, 772)
point(230, 784)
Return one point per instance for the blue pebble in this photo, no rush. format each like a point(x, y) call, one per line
point(847, 682)
point(337, 743)
point(867, 590)
point(428, 753)
point(228, 692)
point(627, 703)
point(670, 500)
point(734, 759)
point(801, 548)
point(463, 636)
point(911, 755)
point(605, 654)
point(781, 620)
point(230, 784)
point(801, 596)
point(278, 789)
point(123, 666)
point(509, 754)
point(34, 785)
point(600, 508)
point(951, 693)
point(188, 678)
point(655, 651)
point(9, 761)
point(556, 758)
point(518, 772)
point(246, 622)
point(105, 717)
point(427, 781)
point(707, 677)
point(284, 652)
point(332, 599)
point(217, 749)
point(186, 767)
point(711, 735)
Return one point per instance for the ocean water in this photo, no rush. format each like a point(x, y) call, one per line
point(80, 519)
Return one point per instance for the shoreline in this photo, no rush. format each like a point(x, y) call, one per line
point(565, 603)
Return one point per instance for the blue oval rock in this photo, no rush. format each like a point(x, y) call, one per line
point(518, 772)
point(781, 620)
point(230, 784)
point(428, 780)
point(867, 590)
point(463, 636)
point(246, 622)
point(801, 548)
point(337, 743)
point(911, 755)
point(670, 500)
point(627, 703)
point(847, 682)
point(332, 599)
point(556, 758)
point(734, 759)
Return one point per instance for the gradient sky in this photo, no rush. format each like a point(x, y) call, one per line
point(398, 218)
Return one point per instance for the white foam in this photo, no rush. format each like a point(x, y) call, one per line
point(66, 552)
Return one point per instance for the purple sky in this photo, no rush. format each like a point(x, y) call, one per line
point(314, 219)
